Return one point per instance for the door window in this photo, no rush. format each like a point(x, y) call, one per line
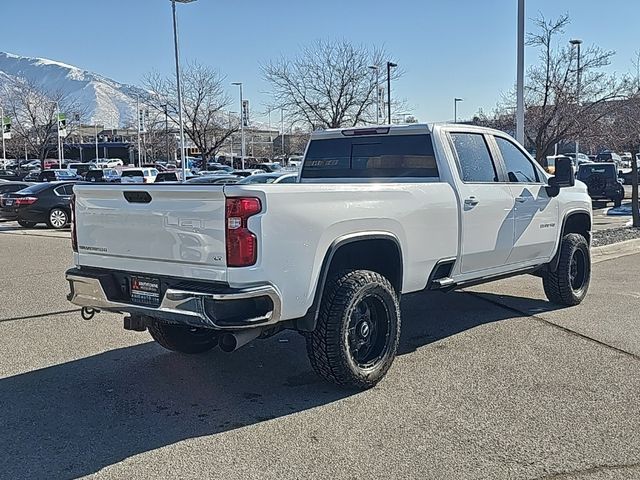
point(474, 159)
point(518, 165)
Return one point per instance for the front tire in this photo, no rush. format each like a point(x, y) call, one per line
point(617, 201)
point(58, 218)
point(182, 339)
point(568, 285)
point(356, 337)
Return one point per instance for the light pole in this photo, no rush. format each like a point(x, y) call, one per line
point(390, 65)
point(577, 43)
point(377, 70)
point(520, 76)
point(96, 132)
point(4, 155)
point(166, 128)
point(60, 151)
point(239, 84)
point(175, 46)
point(282, 137)
point(455, 109)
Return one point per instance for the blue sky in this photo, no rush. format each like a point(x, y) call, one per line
point(463, 48)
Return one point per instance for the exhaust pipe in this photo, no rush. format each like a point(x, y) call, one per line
point(230, 342)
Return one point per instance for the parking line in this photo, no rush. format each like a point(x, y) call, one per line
point(548, 322)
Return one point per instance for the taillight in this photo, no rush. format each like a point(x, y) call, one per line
point(74, 235)
point(242, 244)
point(25, 201)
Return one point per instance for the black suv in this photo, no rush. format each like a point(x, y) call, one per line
point(602, 181)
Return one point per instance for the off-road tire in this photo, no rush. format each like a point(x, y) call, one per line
point(183, 339)
point(617, 201)
point(24, 224)
point(328, 346)
point(558, 286)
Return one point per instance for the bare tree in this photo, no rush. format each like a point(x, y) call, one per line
point(553, 111)
point(328, 84)
point(204, 101)
point(33, 111)
point(623, 133)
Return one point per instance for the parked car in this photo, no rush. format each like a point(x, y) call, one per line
point(107, 162)
point(218, 167)
point(32, 176)
point(40, 203)
point(166, 177)
point(138, 175)
point(380, 212)
point(13, 175)
point(602, 181)
point(30, 164)
point(268, 166)
point(10, 187)
point(247, 172)
point(610, 157)
point(50, 164)
point(110, 175)
point(57, 175)
point(269, 178)
point(82, 169)
point(214, 179)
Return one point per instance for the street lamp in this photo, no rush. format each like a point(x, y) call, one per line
point(577, 43)
point(239, 84)
point(520, 76)
point(175, 46)
point(390, 65)
point(377, 70)
point(455, 109)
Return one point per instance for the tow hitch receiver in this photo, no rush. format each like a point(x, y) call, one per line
point(136, 323)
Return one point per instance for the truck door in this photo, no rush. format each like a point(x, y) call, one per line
point(536, 214)
point(486, 205)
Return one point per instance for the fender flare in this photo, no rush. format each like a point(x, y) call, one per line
point(553, 263)
point(308, 322)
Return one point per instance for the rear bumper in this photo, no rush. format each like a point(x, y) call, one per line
point(220, 308)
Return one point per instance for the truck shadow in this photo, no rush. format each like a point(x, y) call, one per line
point(75, 418)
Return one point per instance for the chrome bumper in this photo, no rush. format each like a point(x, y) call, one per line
point(177, 306)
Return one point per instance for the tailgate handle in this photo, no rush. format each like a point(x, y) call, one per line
point(137, 197)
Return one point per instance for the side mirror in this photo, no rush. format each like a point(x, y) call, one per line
point(564, 176)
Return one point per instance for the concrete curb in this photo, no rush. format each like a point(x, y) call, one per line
point(615, 250)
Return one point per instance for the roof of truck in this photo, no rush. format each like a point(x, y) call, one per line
point(413, 128)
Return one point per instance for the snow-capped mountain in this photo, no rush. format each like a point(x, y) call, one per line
point(106, 101)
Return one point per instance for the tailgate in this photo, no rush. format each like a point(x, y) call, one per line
point(175, 230)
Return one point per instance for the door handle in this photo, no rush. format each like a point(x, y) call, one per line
point(470, 202)
point(521, 199)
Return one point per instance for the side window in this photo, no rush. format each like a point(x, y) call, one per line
point(59, 191)
point(68, 189)
point(519, 167)
point(474, 158)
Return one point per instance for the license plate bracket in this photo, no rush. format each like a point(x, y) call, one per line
point(145, 290)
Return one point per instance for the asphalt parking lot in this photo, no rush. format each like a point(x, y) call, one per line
point(490, 383)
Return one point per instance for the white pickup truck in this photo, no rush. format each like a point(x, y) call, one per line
point(378, 212)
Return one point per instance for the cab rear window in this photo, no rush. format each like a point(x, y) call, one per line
point(371, 157)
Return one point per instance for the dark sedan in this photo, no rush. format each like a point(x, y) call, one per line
point(10, 187)
point(48, 203)
point(11, 175)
